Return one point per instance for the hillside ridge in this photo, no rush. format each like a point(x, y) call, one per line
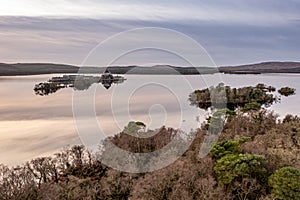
point(52, 68)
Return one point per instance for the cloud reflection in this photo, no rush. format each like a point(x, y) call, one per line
point(24, 140)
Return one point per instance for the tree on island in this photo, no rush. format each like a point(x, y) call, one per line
point(234, 97)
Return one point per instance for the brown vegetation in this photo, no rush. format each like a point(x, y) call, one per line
point(75, 174)
point(286, 91)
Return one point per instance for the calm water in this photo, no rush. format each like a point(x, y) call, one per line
point(32, 125)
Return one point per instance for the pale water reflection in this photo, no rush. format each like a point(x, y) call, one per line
point(32, 125)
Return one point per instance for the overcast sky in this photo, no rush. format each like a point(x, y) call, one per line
point(232, 31)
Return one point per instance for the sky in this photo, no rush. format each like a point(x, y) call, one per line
point(232, 32)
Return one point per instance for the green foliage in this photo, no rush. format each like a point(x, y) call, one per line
point(251, 106)
point(224, 112)
point(223, 148)
point(140, 123)
point(233, 167)
point(134, 127)
point(218, 118)
point(285, 183)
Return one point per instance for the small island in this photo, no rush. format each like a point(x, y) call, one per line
point(78, 82)
point(286, 91)
point(233, 97)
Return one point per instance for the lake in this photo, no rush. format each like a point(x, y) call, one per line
point(32, 125)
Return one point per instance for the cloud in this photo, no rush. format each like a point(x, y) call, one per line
point(230, 11)
point(232, 32)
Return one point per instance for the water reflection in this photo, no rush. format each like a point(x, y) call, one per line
point(77, 82)
point(34, 125)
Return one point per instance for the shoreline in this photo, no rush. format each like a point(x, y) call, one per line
point(28, 69)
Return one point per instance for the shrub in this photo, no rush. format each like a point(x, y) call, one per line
point(290, 118)
point(134, 127)
point(251, 106)
point(236, 166)
point(223, 148)
point(285, 183)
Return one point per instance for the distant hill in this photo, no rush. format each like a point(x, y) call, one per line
point(48, 68)
point(163, 69)
point(35, 68)
point(264, 67)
